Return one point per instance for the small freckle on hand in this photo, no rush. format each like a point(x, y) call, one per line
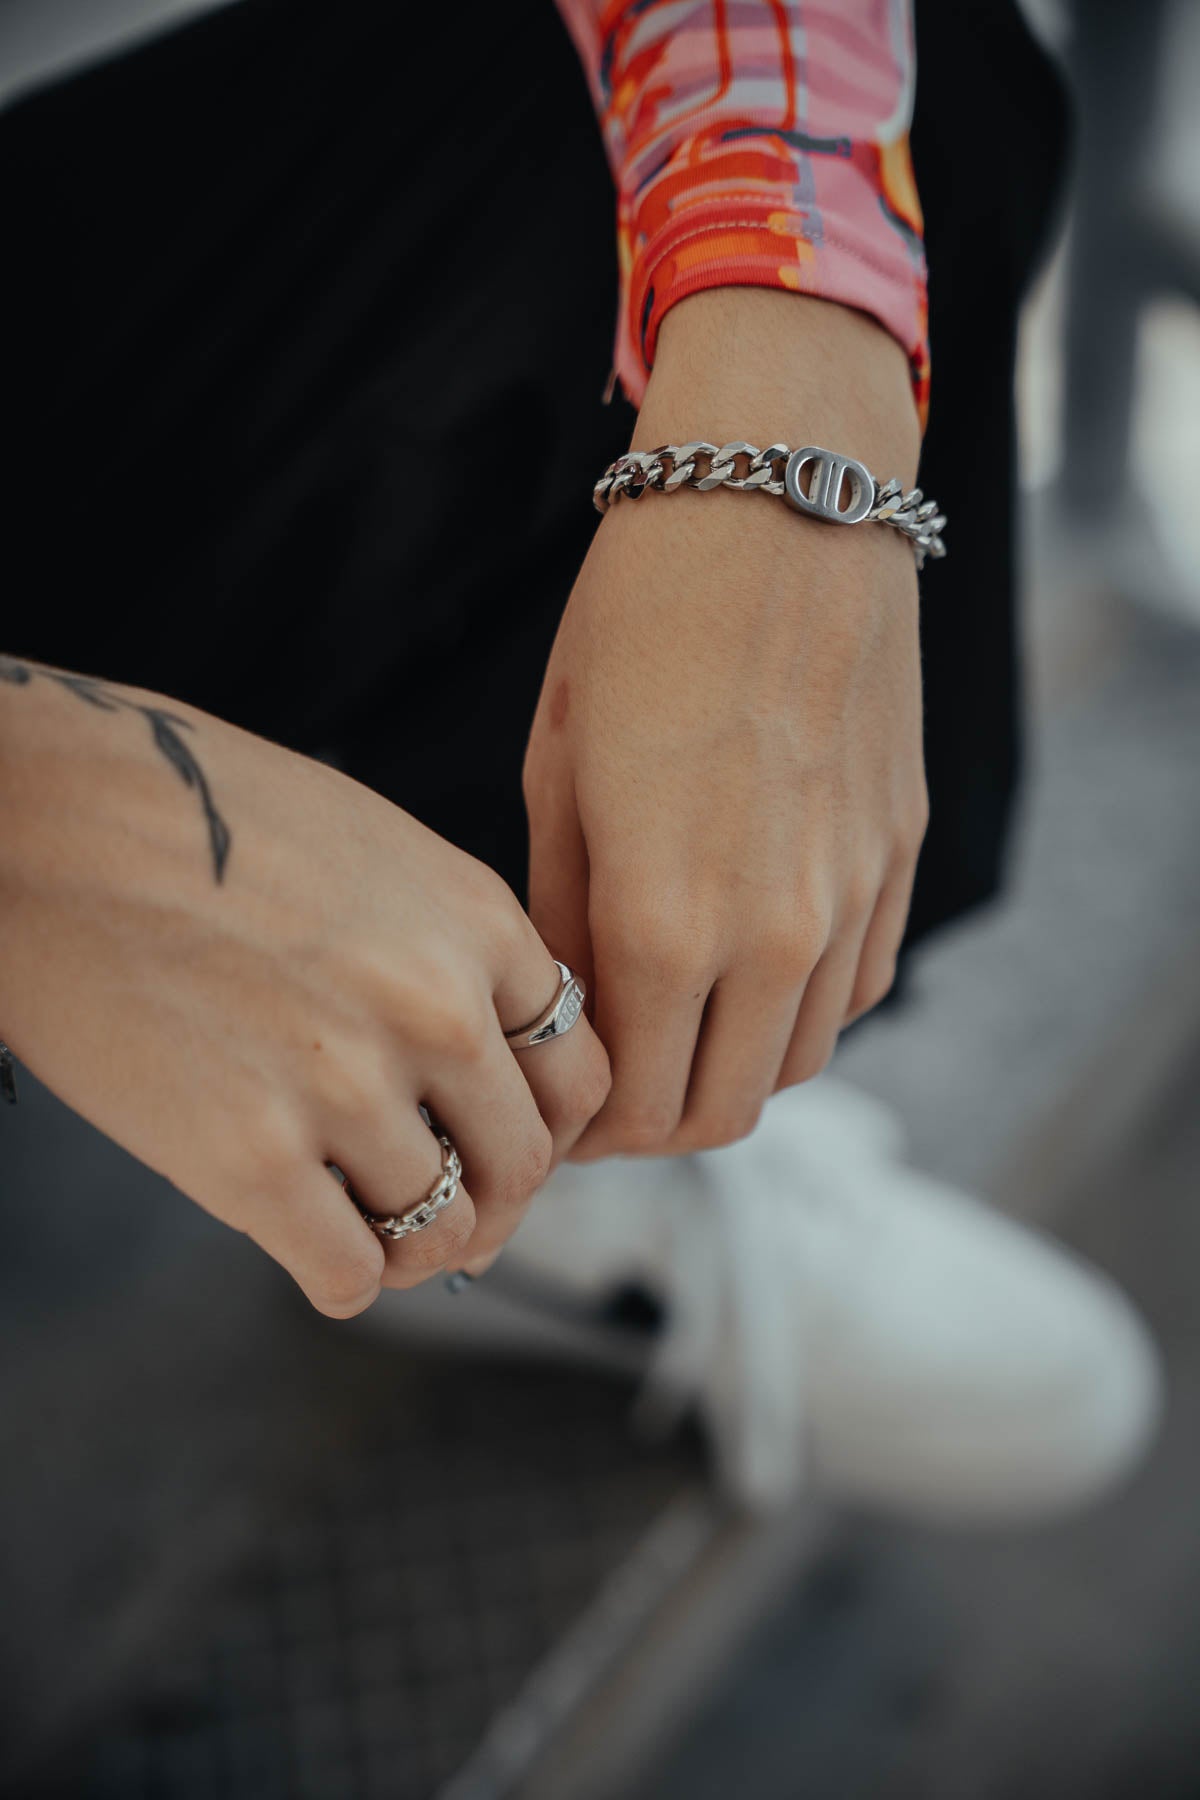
point(559, 701)
point(316, 1043)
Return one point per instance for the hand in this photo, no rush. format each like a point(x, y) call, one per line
point(724, 778)
point(243, 966)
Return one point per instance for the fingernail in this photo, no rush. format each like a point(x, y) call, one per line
point(458, 1281)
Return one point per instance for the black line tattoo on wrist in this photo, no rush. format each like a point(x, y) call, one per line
point(165, 728)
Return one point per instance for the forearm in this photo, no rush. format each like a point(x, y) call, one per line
point(54, 722)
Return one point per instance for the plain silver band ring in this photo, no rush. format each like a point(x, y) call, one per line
point(420, 1217)
point(556, 1019)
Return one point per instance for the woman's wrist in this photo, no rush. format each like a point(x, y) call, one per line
point(767, 366)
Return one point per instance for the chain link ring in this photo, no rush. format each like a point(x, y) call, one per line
point(394, 1226)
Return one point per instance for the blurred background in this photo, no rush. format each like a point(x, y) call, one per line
point(250, 1553)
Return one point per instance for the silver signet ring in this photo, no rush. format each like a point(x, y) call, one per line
point(557, 1018)
point(825, 488)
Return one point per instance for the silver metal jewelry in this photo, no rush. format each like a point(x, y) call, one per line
point(777, 470)
point(556, 1019)
point(421, 1216)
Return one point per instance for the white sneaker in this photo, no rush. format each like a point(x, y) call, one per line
point(837, 1320)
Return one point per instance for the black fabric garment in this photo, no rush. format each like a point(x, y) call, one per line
point(304, 393)
point(989, 143)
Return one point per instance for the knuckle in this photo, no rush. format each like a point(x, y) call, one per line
point(789, 954)
point(874, 988)
point(715, 1131)
point(791, 946)
point(669, 963)
point(509, 934)
point(592, 1087)
point(668, 946)
point(498, 913)
point(913, 826)
point(457, 1227)
point(531, 779)
point(350, 1285)
point(859, 896)
point(432, 1005)
point(354, 1086)
point(460, 1229)
point(455, 1025)
point(269, 1152)
point(810, 1062)
point(484, 890)
point(422, 1259)
point(427, 1252)
point(644, 1128)
point(528, 1169)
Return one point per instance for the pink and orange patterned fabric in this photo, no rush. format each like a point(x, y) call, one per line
point(758, 143)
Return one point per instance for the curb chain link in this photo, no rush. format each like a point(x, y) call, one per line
point(703, 467)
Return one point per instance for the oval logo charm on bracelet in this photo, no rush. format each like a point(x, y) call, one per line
point(825, 487)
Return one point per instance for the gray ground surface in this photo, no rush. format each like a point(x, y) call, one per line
point(248, 1552)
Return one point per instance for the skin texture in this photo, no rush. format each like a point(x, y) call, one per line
point(724, 779)
point(243, 966)
point(240, 1027)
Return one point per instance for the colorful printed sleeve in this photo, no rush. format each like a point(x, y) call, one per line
point(758, 143)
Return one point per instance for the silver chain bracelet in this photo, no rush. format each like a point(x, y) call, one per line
point(777, 470)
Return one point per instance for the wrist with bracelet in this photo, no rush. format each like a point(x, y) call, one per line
point(839, 489)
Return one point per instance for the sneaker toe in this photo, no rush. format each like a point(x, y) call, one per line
point(979, 1372)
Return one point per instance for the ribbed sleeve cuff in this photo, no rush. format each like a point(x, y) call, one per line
point(725, 211)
